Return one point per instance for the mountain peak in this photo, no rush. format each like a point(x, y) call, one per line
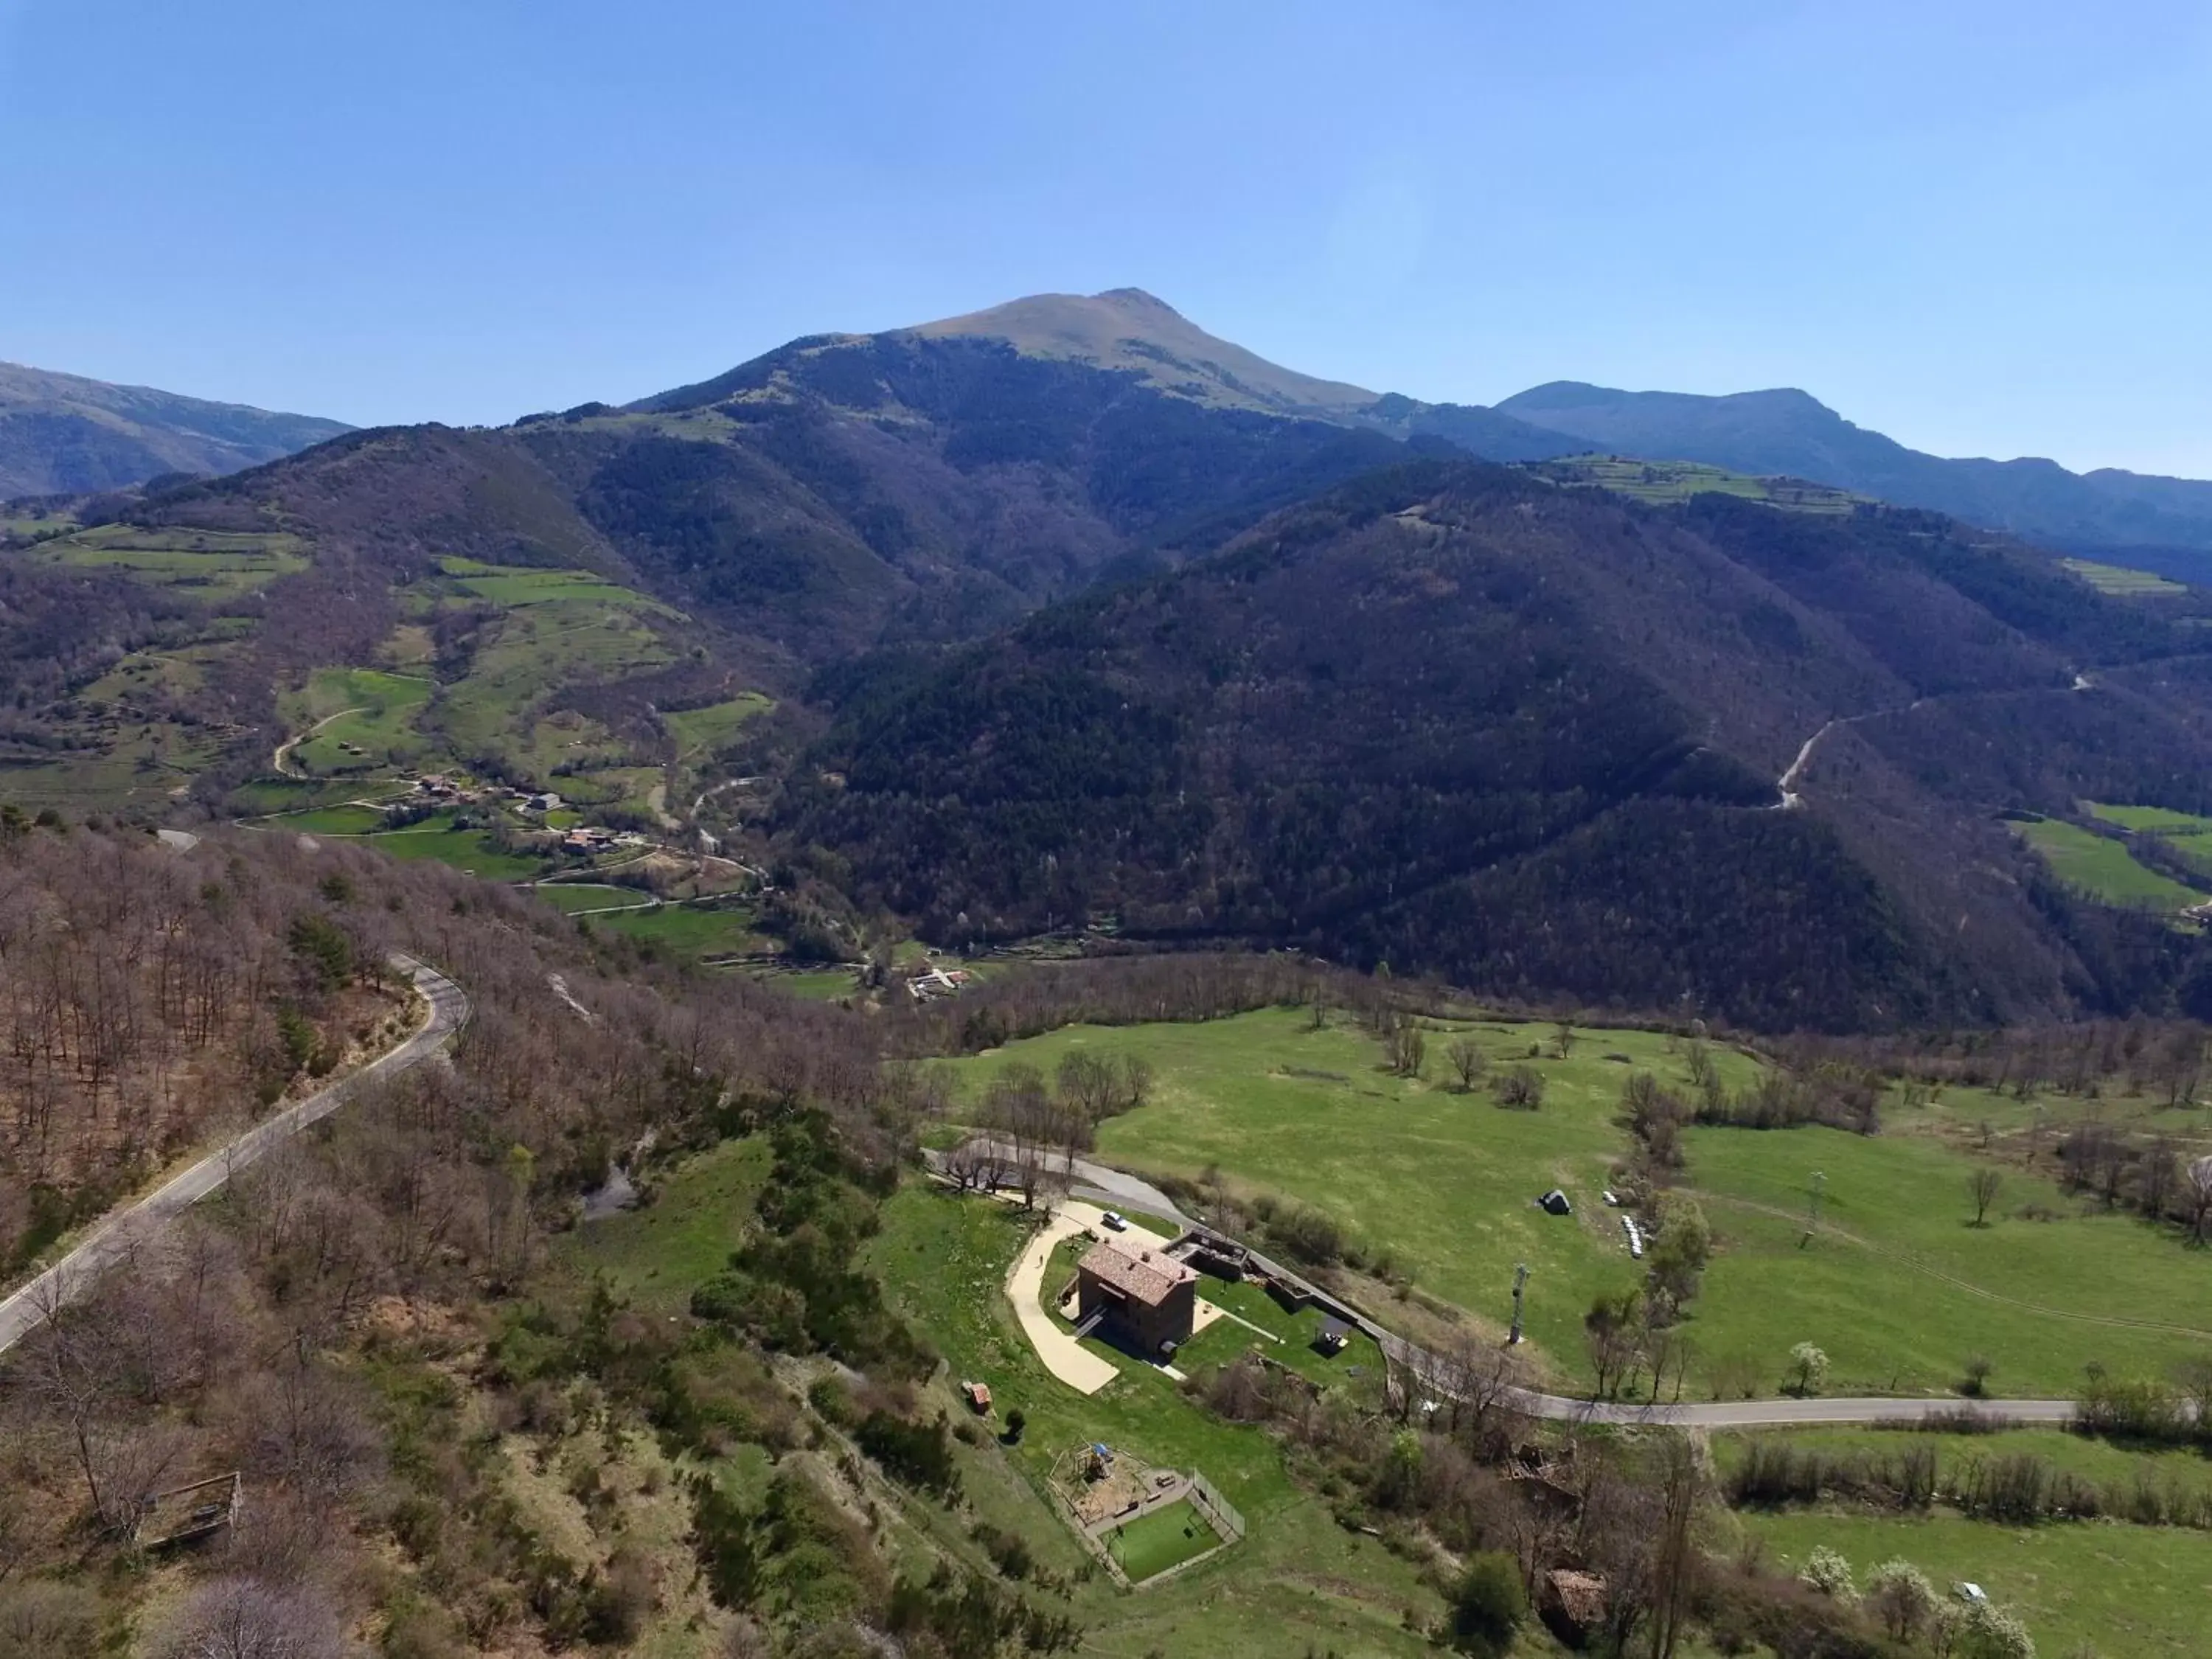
point(1131, 330)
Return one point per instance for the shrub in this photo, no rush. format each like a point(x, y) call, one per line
point(1522, 1089)
point(920, 1454)
point(1006, 1550)
point(1491, 1605)
point(1898, 1594)
point(1311, 1236)
point(830, 1397)
point(1826, 1571)
point(1986, 1631)
point(1808, 1368)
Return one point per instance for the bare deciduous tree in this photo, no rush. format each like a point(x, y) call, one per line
point(244, 1619)
point(1983, 1186)
point(2197, 1194)
point(1467, 1062)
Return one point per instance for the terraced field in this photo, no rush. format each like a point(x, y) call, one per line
point(2124, 583)
point(1661, 482)
point(210, 564)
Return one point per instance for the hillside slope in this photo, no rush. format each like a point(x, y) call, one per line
point(64, 435)
point(1456, 719)
point(1789, 432)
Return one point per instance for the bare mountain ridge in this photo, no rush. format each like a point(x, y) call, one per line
point(66, 434)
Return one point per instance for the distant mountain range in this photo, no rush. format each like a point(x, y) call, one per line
point(2160, 522)
point(1789, 432)
point(64, 434)
point(60, 434)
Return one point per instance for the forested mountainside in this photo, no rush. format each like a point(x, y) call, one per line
point(2164, 524)
point(1296, 681)
point(1454, 719)
point(64, 435)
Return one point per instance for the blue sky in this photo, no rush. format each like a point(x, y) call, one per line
point(1983, 228)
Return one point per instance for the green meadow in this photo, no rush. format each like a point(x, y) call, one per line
point(2103, 868)
point(1895, 1286)
point(372, 717)
point(1442, 1183)
point(2086, 1587)
point(2123, 582)
point(210, 564)
point(1659, 482)
point(470, 850)
point(685, 930)
point(658, 1255)
point(703, 730)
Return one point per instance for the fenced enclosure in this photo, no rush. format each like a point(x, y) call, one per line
point(1207, 1500)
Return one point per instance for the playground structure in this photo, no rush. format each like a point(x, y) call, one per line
point(1101, 1491)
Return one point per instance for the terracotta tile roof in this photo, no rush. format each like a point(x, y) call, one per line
point(1145, 1276)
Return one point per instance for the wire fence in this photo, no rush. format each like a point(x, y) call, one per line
point(1207, 1500)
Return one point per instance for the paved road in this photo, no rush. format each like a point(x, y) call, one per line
point(1103, 1184)
point(1100, 1184)
point(74, 1273)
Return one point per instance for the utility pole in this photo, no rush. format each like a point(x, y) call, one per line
point(1520, 1282)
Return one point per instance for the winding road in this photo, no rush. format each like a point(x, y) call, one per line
point(114, 1237)
point(281, 758)
point(1102, 1183)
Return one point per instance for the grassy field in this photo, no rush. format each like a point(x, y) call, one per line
point(816, 985)
point(2158, 820)
point(1663, 481)
point(372, 717)
point(465, 849)
point(702, 730)
point(686, 930)
point(2103, 868)
point(1148, 1546)
point(214, 565)
point(345, 820)
point(2082, 1587)
point(658, 1254)
point(1896, 1287)
point(573, 897)
point(1899, 1289)
point(511, 587)
point(276, 794)
point(943, 1261)
point(2123, 582)
point(1444, 1182)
